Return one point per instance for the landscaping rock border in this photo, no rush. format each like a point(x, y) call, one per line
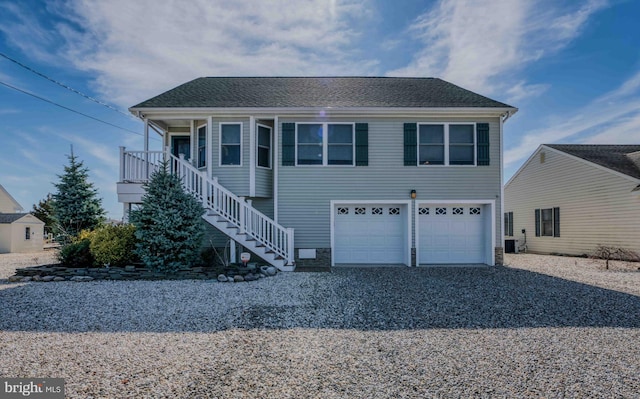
point(57, 272)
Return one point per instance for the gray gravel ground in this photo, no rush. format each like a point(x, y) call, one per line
point(544, 327)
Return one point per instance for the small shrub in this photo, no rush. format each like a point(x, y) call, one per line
point(114, 245)
point(76, 254)
point(614, 253)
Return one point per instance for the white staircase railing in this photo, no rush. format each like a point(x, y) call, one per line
point(137, 166)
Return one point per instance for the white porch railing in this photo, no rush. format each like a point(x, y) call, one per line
point(137, 166)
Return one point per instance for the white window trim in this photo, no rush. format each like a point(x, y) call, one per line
point(325, 144)
point(446, 144)
point(220, 144)
point(197, 157)
point(270, 146)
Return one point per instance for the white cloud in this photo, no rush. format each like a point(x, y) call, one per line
point(482, 45)
point(138, 49)
point(613, 118)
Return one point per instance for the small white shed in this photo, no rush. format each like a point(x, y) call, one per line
point(21, 232)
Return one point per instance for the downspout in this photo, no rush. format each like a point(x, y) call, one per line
point(503, 119)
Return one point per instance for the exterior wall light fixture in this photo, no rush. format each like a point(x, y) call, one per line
point(413, 194)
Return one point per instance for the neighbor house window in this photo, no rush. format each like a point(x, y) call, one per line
point(202, 146)
point(325, 144)
point(27, 233)
point(231, 144)
point(547, 222)
point(446, 144)
point(264, 146)
point(508, 224)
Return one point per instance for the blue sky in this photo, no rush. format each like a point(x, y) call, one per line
point(571, 67)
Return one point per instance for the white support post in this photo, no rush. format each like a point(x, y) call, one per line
point(252, 156)
point(242, 214)
point(215, 203)
point(232, 252)
point(122, 164)
point(274, 152)
point(290, 249)
point(204, 189)
point(146, 148)
point(125, 212)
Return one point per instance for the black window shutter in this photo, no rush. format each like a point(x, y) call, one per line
point(410, 144)
point(556, 222)
point(537, 222)
point(288, 144)
point(511, 223)
point(362, 144)
point(506, 224)
point(482, 130)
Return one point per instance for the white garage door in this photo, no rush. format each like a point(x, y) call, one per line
point(368, 233)
point(451, 234)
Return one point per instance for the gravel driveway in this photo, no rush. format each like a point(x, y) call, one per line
point(543, 327)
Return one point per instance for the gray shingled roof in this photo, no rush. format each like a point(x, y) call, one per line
point(8, 218)
point(610, 156)
point(286, 92)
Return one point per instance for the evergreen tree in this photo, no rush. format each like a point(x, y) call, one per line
point(168, 225)
point(44, 211)
point(76, 204)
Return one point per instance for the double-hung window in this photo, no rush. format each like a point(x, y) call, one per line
point(27, 233)
point(547, 222)
point(508, 224)
point(202, 146)
point(230, 144)
point(446, 144)
point(264, 146)
point(325, 144)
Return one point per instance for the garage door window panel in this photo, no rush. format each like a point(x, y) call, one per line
point(370, 234)
point(453, 234)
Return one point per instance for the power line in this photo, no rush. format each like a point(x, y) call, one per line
point(64, 85)
point(68, 109)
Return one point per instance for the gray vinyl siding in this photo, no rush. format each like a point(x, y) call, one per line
point(305, 192)
point(597, 207)
point(234, 178)
point(264, 205)
point(264, 182)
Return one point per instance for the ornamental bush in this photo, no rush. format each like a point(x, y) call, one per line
point(114, 245)
point(168, 224)
point(76, 254)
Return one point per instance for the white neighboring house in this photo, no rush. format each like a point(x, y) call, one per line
point(571, 198)
point(19, 232)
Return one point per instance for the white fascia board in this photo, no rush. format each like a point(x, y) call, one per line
point(199, 113)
